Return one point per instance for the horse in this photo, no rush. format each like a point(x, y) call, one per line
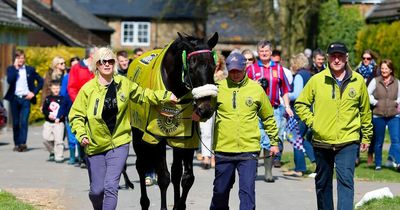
point(186, 68)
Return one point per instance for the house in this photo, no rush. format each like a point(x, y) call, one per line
point(147, 23)
point(14, 31)
point(387, 11)
point(56, 29)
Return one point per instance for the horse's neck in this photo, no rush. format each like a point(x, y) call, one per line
point(172, 72)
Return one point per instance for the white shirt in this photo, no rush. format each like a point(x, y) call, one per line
point(21, 87)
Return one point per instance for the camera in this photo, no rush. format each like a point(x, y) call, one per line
point(264, 83)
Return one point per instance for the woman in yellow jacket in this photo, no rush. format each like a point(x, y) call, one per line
point(100, 121)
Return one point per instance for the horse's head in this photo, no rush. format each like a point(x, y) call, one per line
point(199, 62)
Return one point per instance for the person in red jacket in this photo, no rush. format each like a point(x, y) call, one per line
point(78, 76)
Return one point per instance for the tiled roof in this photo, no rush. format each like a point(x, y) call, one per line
point(80, 15)
point(233, 28)
point(58, 25)
point(387, 11)
point(8, 17)
point(145, 9)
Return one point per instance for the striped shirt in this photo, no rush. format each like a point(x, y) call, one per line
point(277, 81)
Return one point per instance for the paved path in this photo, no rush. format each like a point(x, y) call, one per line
point(62, 186)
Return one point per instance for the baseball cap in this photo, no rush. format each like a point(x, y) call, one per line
point(236, 61)
point(337, 47)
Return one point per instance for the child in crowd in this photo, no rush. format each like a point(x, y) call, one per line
point(53, 128)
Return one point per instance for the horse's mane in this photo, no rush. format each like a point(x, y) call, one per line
point(189, 42)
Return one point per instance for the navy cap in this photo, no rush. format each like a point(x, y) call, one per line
point(236, 61)
point(337, 47)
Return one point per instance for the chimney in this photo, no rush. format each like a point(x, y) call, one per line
point(19, 10)
point(48, 3)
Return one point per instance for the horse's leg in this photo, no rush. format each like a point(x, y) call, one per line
point(187, 178)
point(163, 174)
point(176, 173)
point(140, 150)
point(128, 183)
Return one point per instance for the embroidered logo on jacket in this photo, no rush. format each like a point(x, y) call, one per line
point(352, 93)
point(249, 101)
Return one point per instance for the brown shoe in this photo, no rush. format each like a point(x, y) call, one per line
point(22, 148)
point(16, 148)
point(293, 173)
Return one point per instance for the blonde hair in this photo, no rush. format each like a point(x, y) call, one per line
point(100, 54)
point(298, 61)
point(56, 60)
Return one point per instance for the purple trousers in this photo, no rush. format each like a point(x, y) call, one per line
point(104, 175)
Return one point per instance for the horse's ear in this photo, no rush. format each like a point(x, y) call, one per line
point(181, 37)
point(213, 40)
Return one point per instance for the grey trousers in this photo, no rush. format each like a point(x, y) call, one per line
point(104, 175)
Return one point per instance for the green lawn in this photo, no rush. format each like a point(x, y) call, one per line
point(9, 202)
point(385, 203)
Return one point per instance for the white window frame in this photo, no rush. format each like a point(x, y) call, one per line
point(135, 25)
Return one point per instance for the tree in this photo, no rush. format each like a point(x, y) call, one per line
point(339, 23)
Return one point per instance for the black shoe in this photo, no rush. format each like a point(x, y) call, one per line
point(269, 180)
point(83, 165)
point(51, 157)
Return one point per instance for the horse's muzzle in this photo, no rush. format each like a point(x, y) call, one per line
point(204, 108)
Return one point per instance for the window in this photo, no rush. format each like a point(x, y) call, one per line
point(135, 33)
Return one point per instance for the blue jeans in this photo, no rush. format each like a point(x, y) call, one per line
point(280, 123)
point(344, 159)
point(104, 174)
point(393, 124)
point(299, 157)
point(20, 109)
point(72, 141)
point(225, 178)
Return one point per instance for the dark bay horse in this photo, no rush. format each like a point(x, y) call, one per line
point(186, 68)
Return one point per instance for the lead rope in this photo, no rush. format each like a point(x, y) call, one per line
point(253, 157)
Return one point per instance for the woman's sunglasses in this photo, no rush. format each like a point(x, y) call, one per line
point(367, 58)
point(109, 61)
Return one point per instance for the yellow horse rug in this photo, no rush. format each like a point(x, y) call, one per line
point(170, 121)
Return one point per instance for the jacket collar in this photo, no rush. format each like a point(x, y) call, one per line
point(239, 84)
point(327, 72)
point(116, 80)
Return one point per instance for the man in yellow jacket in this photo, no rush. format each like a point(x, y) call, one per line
point(340, 114)
point(240, 102)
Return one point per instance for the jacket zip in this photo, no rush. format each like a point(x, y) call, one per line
point(96, 105)
point(234, 99)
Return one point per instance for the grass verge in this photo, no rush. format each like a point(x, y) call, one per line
point(9, 202)
point(385, 203)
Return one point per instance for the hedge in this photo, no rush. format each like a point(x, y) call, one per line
point(383, 39)
point(40, 58)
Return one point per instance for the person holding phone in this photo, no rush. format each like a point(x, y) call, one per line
point(21, 93)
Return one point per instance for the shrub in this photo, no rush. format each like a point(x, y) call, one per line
point(40, 58)
point(382, 39)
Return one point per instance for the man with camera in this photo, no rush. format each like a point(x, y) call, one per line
point(271, 77)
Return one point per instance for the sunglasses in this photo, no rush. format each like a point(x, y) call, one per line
point(367, 58)
point(109, 61)
point(62, 63)
point(250, 59)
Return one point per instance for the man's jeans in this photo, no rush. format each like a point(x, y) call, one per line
point(393, 124)
point(344, 161)
point(20, 109)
